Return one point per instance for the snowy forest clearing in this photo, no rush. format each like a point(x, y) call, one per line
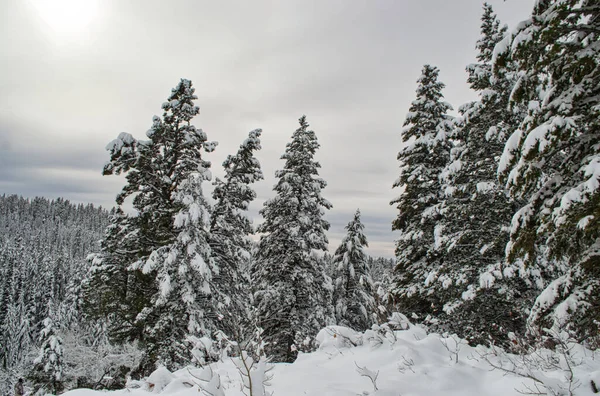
point(407, 363)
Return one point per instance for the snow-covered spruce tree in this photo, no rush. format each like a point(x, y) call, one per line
point(18, 335)
point(553, 159)
point(425, 154)
point(289, 281)
point(230, 228)
point(353, 298)
point(48, 366)
point(157, 262)
point(482, 298)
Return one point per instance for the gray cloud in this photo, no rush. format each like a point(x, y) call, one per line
point(351, 67)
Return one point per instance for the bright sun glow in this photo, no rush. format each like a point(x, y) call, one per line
point(66, 16)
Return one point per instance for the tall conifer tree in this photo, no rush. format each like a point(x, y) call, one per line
point(230, 229)
point(481, 298)
point(159, 259)
point(424, 156)
point(288, 278)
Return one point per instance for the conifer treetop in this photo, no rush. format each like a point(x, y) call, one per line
point(426, 113)
point(299, 192)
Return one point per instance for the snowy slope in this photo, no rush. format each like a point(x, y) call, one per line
point(412, 364)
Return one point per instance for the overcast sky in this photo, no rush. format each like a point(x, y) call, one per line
point(71, 79)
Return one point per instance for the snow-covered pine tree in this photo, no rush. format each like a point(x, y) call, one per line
point(553, 159)
point(48, 366)
point(482, 299)
point(230, 229)
point(353, 298)
point(165, 245)
point(288, 279)
point(20, 327)
point(425, 153)
point(16, 340)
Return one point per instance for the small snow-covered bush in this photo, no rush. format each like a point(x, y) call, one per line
point(112, 363)
point(541, 364)
point(399, 321)
point(203, 350)
point(383, 334)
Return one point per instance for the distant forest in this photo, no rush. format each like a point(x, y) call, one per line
point(43, 249)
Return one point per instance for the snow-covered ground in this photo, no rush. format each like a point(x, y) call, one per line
point(408, 363)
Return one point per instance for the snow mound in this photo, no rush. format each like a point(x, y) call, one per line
point(159, 379)
point(338, 337)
